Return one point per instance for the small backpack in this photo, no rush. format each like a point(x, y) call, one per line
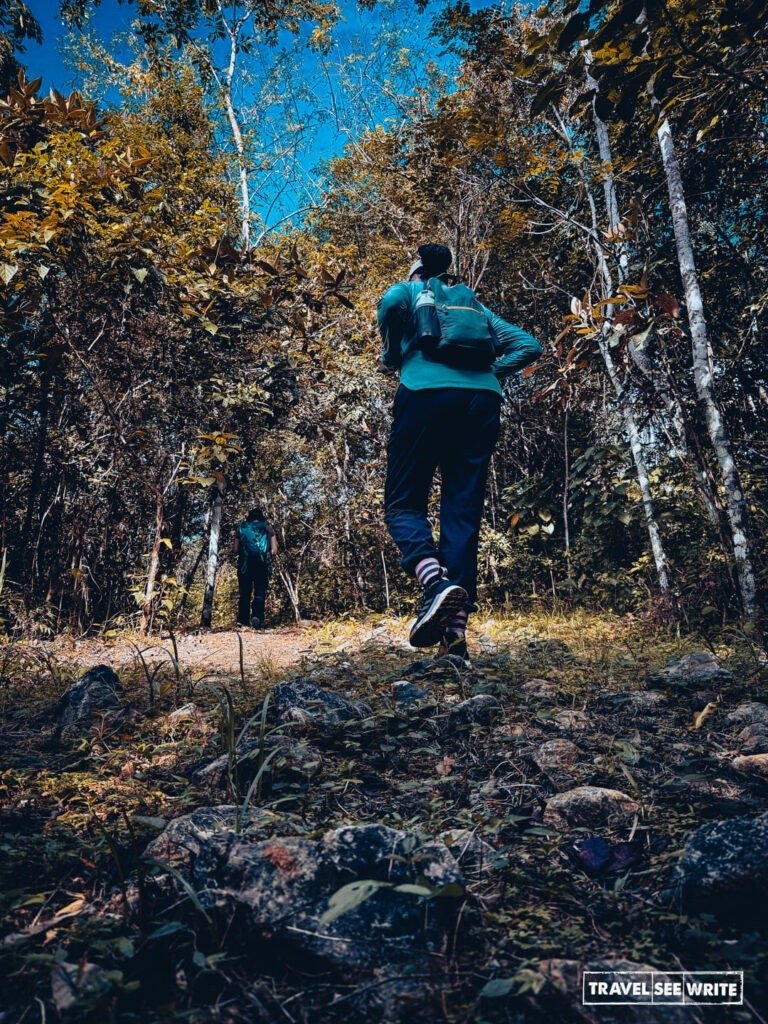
point(465, 338)
point(254, 544)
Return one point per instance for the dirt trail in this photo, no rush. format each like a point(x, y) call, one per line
point(202, 650)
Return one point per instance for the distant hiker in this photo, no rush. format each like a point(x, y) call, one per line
point(451, 352)
point(255, 547)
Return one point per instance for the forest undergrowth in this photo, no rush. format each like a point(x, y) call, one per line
point(87, 938)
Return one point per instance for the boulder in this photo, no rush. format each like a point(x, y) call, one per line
point(353, 899)
point(183, 838)
point(311, 708)
point(557, 754)
point(723, 871)
point(482, 709)
point(588, 806)
point(699, 669)
point(755, 765)
point(751, 713)
point(97, 692)
point(633, 701)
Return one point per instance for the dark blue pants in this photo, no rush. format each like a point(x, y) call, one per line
point(252, 582)
point(454, 430)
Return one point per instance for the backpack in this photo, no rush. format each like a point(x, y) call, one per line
point(254, 544)
point(465, 338)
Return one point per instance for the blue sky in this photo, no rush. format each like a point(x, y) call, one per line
point(374, 36)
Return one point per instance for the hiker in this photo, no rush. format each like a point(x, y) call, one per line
point(255, 546)
point(451, 352)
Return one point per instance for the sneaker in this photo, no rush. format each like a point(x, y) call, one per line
point(440, 601)
point(454, 646)
point(256, 622)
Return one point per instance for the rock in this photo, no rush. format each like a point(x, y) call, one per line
point(751, 713)
point(755, 765)
point(312, 708)
point(406, 692)
point(472, 853)
point(482, 709)
point(286, 892)
point(295, 761)
point(596, 856)
point(183, 838)
point(698, 669)
point(566, 978)
point(557, 754)
point(636, 701)
point(723, 871)
point(571, 721)
point(539, 688)
point(96, 692)
point(588, 806)
point(753, 739)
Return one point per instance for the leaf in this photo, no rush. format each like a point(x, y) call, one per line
point(350, 896)
point(272, 271)
point(414, 890)
point(43, 271)
point(498, 988)
point(139, 273)
point(574, 29)
point(7, 272)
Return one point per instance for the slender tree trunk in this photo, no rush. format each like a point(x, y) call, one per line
point(233, 33)
point(217, 504)
point(154, 563)
point(672, 404)
point(628, 417)
point(735, 504)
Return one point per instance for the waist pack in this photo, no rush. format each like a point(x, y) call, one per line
point(254, 545)
point(456, 330)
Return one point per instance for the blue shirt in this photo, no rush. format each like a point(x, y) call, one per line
point(401, 352)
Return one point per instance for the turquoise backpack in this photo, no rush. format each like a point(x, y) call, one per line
point(466, 338)
point(254, 544)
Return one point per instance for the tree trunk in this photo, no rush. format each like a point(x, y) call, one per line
point(702, 370)
point(217, 504)
point(233, 33)
point(147, 609)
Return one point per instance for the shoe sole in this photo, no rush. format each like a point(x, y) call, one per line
point(426, 632)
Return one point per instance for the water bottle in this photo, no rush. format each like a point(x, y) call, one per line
point(425, 316)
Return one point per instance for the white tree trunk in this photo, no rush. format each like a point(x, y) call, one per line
point(702, 371)
point(217, 505)
point(233, 33)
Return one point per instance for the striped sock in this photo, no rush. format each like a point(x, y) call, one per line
point(457, 623)
point(428, 570)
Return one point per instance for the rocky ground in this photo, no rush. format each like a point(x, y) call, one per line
point(366, 836)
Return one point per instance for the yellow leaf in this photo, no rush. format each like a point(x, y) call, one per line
point(704, 715)
point(8, 272)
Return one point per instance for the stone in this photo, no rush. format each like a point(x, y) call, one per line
point(539, 688)
point(295, 761)
point(566, 981)
point(571, 721)
point(472, 853)
point(701, 668)
point(312, 708)
point(406, 692)
point(635, 701)
point(557, 754)
point(755, 765)
point(556, 651)
point(753, 739)
point(285, 892)
point(588, 806)
point(751, 713)
point(183, 838)
point(482, 709)
point(723, 870)
point(95, 693)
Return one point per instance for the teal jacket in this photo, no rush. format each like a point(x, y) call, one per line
point(395, 319)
